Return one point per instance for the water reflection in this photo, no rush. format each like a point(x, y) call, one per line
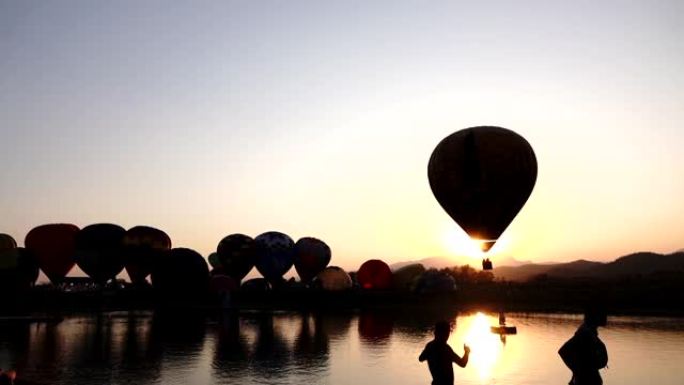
point(485, 346)
point(370, 347)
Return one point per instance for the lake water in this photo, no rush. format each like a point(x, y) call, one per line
point(296, 348)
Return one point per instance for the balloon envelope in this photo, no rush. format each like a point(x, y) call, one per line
point(7, 242)
point(143, 246)
point(223, 284)
point(256, 285)
point(311, 257)
point(482, 177)
point(406, 278)
point(182, 272)
point(237, 254)
point(333, 278)
point(434, 281)
point(18, 270)
point(99, 251)
point(374, 274)
point(214, 260)
point(274, 255)
point(53, 246)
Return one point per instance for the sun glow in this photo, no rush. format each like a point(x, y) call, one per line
point(485, 346)
point(459, 244)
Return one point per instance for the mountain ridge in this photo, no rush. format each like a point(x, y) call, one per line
point(638, 263)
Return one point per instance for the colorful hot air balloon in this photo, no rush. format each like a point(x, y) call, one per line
point(99, 251)
point(183, 272)
point(143, 246)
point(311, 257)
point(374, 274)
point(274, 255)
point(333, 278)
point(482, 177)
point(237, 254)
point(53, 246)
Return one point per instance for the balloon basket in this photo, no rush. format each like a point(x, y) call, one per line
point(487, 264)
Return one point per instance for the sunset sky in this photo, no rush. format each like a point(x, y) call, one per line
point(317, 118)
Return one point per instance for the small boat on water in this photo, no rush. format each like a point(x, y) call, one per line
point(504, 329)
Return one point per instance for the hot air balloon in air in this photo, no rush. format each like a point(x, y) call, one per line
point(99, 251)
point(236, 255)
point(374, 274)
point(311, 257)
point(143, 247)
point(274, 255)
point(482, 177)
point(53, 245)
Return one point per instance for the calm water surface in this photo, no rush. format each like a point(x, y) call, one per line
point(296, 348)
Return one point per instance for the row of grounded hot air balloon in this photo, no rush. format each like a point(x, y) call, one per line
point(103, 250)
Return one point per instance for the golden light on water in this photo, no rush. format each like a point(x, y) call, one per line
point(485, 346)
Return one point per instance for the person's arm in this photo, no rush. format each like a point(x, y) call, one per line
point(424, 355)
point(462, 362)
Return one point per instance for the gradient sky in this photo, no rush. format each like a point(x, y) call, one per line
point(317, 118)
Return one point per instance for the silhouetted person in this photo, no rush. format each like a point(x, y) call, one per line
point(440, 356)
point(585, 353)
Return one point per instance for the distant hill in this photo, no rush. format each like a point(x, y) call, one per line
point(513, 270)
point(634, 264)
point(442, 262)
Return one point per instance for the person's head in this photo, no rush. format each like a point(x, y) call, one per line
point(442, 330)
point(595, 316)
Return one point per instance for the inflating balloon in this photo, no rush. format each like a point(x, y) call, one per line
point(406, 278)
point(7, 242)
point(374, 274)
point(143, 248)
point(482, 177)
point(223, 284)
point(53, 246)
point(214, 260)
point(28, 265)
point(99, 251)
point(237, 254)
point(333, 278)
point(18, 269)
point(311, 257)
point(256, 285)
point(8, 255)
point(434, 281)
point(274, 255)
point(183, 272)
